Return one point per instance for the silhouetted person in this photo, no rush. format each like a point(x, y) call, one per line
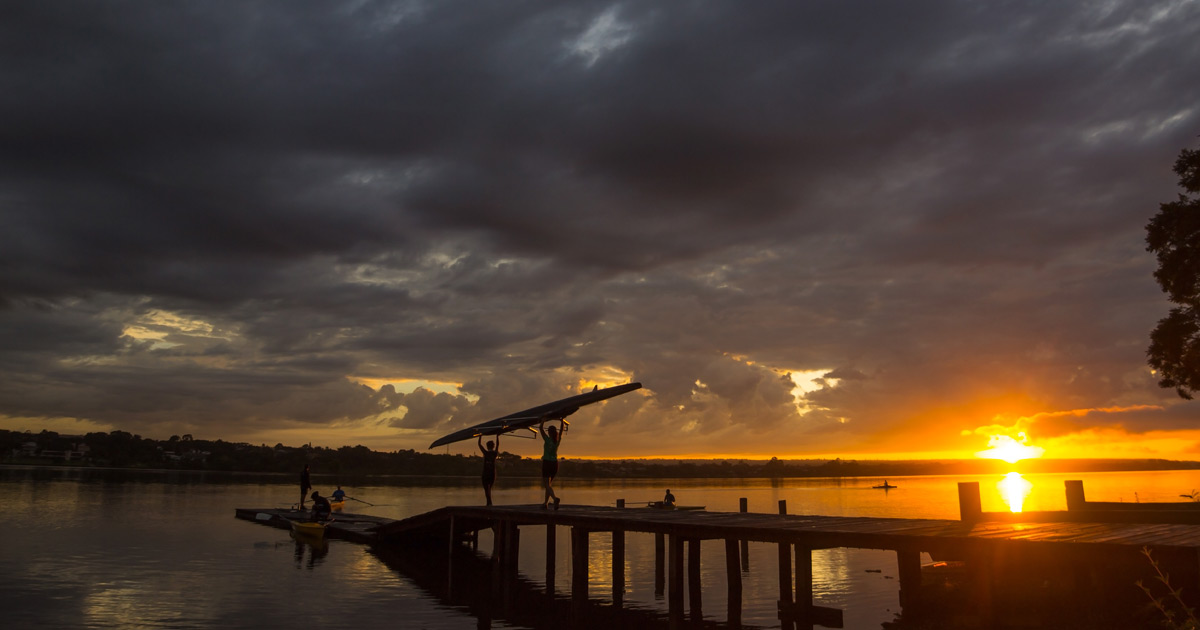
point(489, 465)
point(669, 499)
point(339, 494)
point(305, 486)
point(551, 438)
point(321, 508)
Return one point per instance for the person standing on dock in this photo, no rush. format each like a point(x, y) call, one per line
point(551, 438)
point(305, 486)
point(489, 465)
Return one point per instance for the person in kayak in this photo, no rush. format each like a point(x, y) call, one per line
point(669, 499)
point(339, 494)
point(321, 508)
point(490, 453)
point(305, 486)
point(551, 438)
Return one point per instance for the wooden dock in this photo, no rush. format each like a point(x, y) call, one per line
point(1070, 558)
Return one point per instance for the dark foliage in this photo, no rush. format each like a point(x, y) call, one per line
point(1174, 236)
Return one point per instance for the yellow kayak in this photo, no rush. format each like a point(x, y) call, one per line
point(337, 505)
point(311, 530)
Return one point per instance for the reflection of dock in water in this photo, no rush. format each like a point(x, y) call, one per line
point(1032, 567)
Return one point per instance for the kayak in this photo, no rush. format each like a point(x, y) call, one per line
point(659, 505)
point(337, 505)
point(883, 487)
point(309, 529)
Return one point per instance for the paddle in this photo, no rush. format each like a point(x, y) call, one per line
point(361, 501)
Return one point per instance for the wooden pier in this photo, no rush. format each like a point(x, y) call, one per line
point(1100, 560)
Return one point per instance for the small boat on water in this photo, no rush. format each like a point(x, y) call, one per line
point(309, 529)
point(659, 505)
point(885, 486)
point(337, 505)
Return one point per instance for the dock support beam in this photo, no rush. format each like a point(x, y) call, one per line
point(804, 588)
point(733, 579)
point(618, 570)
point(743, 507)
point(694, 588)
point(551, 561)
point(785, 579)
point(579, 565)
point(908, 563)
point(659, 571)
point(675, 586)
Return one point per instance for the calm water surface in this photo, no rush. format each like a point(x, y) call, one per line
point(126, 549)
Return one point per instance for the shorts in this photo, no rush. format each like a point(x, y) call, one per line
point(549, 468)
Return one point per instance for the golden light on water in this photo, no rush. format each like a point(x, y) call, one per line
point(1014, 489)
point(1011, 450)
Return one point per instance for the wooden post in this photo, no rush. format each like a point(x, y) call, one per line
point(579, 565)
point(969, 507)
point(659, 571)
point(450, 560)
point(551, 545)
point(512, 549)
point(733, 579)
point(618, 570)
point(694, 588)
point(675, 585)
point(1075, 498)
point(785, 579)
point(743, 507)
point(804, 588)
point(620, 503)
point(908, 563)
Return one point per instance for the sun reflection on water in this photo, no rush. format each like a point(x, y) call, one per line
point(1014, 489)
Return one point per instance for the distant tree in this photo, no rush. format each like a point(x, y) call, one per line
point(1174, 236)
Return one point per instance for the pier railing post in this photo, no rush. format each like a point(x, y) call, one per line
point(1075, 498)
point(969, 507)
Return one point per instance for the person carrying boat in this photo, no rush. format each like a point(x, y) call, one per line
point(669, 499)
point(321, 508)
point(551, 438)
point(489, 465)
point(305, 486)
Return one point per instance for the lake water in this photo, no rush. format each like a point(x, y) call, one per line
point(95, 548)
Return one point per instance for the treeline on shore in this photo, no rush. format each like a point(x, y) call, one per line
point(120, 449)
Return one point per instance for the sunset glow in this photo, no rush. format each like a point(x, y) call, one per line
point(1014, 489)
point(1005, 447)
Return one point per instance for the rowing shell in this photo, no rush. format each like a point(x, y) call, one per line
point(556, 410)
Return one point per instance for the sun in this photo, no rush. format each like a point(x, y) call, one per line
point(1005, 447)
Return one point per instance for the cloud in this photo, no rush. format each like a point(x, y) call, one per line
point(221, 216)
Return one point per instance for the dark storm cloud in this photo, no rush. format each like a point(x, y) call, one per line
point(223, 214)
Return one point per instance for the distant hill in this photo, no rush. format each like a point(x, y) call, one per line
point(126, 450)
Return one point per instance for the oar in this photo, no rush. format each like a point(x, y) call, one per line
point(361, 501)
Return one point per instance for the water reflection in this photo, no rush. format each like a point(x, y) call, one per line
point(315, 549)
point(1014, 489)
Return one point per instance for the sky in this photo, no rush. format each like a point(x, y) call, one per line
point(871, 230)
